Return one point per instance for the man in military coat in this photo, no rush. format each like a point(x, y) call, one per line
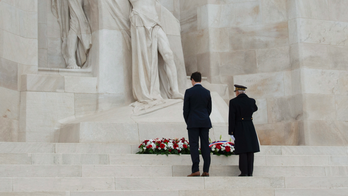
point(241, 126)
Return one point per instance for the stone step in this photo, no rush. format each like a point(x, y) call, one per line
point(64, 148)
point(93, 193)
point(142, 159)
point(138, 184)
point(267, 192)
point(84, 171)
point(164, 171)
point(34, 193)
point(313, 150)
point(198, 183)
point(126, 148)
point(235, 192)
point(260, 160)
point(311, 191)
point(316, 182)
point(282, 185)
point(271, 171)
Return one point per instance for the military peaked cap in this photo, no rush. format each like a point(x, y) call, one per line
point(239, 88)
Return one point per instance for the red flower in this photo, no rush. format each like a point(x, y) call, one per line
point(166, 141)
point(170, 150)
point(227, 149)
point(149, 146)
point(218, 147)
point(162, 146)
point(146, 141)
point(176, 146)
point(185, 146)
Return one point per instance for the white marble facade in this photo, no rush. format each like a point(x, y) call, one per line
point(18, 55)
point(292, 54)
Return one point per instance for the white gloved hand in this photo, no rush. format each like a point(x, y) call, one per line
point(232, 137)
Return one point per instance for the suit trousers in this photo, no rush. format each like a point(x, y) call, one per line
point(246, 163)
point(194, 135)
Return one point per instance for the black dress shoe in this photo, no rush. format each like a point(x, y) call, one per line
point(250, 175)
point(242, 175)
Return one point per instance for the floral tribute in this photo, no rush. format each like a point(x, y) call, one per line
point(164, 146)
point(222, 148)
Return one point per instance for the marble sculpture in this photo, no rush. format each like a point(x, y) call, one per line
point(75, 31)
point(151, 81)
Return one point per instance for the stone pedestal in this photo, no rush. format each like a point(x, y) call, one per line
point(121, 125)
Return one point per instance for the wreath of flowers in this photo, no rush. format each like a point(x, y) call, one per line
point(166, 146)
point(222, 148)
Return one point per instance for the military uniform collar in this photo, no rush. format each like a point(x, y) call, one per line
point(242, 95)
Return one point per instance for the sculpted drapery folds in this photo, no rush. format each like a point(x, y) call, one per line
point(152, 81)
point(75, 31)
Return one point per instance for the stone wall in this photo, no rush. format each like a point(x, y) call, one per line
point(18, 55)
point(290, 53)
point(246, 42)
point(50, 54)
point(319, 49)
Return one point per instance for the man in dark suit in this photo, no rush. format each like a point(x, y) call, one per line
point(242, 128)
point(197, 108)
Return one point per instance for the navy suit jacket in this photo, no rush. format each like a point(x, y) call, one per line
point(197, 107)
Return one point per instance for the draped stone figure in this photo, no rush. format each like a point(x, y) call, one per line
point(75, 31)
point(152, 81)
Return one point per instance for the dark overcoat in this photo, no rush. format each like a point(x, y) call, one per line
point(197, 107)
point(241, 126)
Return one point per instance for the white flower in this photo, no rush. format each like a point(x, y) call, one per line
point(181, 145)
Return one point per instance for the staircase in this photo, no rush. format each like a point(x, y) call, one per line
point(86, 169)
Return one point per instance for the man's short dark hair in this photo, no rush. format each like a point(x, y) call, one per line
point(197, 77)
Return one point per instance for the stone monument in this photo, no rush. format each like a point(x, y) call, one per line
point(72, 131)
point(290, 53)
point(149, 39)
point(75, 29)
